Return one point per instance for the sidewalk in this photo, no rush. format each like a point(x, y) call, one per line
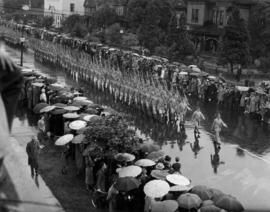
point(21, 192)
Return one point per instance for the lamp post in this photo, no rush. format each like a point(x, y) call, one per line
point(22, 38)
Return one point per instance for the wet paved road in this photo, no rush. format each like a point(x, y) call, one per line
point(244, 166)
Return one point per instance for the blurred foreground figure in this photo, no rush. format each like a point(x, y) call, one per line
point(10, 87)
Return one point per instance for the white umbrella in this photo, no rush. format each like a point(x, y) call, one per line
point(77, 125)
point(156, 188)
point(129, 171)
point(71, 108)
point(89, 117)
point(145, 162)
point(71, 115)
point(47, 109)
point(63, 140)
point(80, 98)
point(178, 179)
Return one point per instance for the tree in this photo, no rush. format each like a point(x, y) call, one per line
point(111, 134)
point(104, 17)
point(259, 27)
point(47, 22)
point(136, 13)
point(70, 22)
point(178, 40)
point(130, 40)
point(235, 42)
point(153, 28)
point(79, 30)
point(14, 6)
point(113, 35)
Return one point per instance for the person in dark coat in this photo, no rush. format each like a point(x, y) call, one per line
point(32, 150)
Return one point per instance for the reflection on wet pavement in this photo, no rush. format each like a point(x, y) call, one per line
point(241, 166)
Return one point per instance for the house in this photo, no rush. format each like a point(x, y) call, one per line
point(60, 9)
point(206, 20)
point(119, 6)
point(90, 7)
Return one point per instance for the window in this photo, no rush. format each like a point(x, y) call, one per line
point(120, 11)
point(195, 16)
point(72, 7)
point(221, 18)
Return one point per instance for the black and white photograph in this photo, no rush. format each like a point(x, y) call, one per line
point(134, 105)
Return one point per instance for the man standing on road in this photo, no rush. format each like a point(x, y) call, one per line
point(32, 150)
point(197, 116)
point(217, 126)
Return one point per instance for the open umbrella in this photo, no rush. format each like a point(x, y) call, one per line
point(180, 188)
point(145, 162)
point(124, 157)
point(91, 111)
point(178, 179)
point(47, 109)
point(159, 174)
point(210, 208)
point(156, 188)
point(78, 139)
point(39, 107)
point(129, 171)
point(207, 203)
point(63, 140)
point(202, 191)
point(216, 193)
point(189, 201)
point(78, 124)
point(60, 105)
point(155, 155)
point(71, 108)
point(56, 86)
point(76, 104)
point(38, 84)
point(229, 203)
point(80, 98)
point(58, 111)
point(71, 116)
point(149, 148)
point(165, 206)
point(126, 184)
point(91, 117)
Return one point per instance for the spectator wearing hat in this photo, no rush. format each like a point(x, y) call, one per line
point(176, 167)
point(167, 162)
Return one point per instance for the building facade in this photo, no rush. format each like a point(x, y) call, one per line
point(60, 9)
point(206, 20)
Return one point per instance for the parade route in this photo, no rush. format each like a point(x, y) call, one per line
point(243, 166)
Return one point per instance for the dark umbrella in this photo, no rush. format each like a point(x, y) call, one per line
point(39, 106)
point(60, 105)
point(202, 191)
point(229, 203)
point(210, 208)
point(155, 155)
point(127, 184)
point(149, 148)
point(216, 194)
point(91, 111)
point(58, 111)
point(189, 201)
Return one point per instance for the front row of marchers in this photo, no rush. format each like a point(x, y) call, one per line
point(122, 172)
